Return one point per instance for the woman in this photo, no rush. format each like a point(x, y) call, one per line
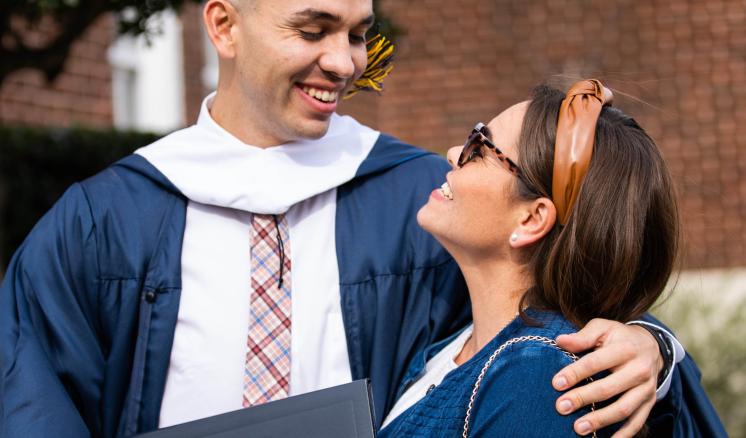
point(558, 211)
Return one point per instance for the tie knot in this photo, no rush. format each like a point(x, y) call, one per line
point(267, 219)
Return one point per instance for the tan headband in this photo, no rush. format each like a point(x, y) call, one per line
point(573, 147)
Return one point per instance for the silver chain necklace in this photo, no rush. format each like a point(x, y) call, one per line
point(492, 358)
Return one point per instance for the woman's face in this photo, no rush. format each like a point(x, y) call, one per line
point(475, 211)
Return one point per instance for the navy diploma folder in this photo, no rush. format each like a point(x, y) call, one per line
point(344, 411)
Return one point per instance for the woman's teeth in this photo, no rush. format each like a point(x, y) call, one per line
point(445, 189)
point(322, 95)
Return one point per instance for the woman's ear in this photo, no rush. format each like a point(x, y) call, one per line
point(536, 221)
point(220, 17)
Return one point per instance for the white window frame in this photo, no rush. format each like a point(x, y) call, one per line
point(148, 77)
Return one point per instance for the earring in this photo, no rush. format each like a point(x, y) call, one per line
point(514, 237)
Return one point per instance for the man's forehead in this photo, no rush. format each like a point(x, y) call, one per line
point(336, 10)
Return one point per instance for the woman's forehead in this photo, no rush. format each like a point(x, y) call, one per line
point(506, 127)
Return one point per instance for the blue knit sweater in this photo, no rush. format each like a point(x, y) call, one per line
point(515, 399)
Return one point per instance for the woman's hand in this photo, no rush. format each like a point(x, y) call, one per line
point(631, 355)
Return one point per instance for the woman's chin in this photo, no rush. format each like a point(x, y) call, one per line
point(426, 218)
point(433, 223)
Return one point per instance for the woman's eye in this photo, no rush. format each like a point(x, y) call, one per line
point(311, 36)
point(476, 154)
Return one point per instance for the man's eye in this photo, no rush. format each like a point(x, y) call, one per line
point(357, 39)
point(311, 36)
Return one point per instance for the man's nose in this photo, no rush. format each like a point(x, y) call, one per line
point(337, 58)
point(453, 154)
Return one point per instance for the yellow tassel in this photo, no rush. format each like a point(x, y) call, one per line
point(380, 55)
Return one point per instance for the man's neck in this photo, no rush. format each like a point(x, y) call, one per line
point(231, 118)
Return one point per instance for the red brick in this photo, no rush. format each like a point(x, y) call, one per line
point(464, 60)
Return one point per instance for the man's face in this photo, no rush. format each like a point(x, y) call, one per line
point(294, 59)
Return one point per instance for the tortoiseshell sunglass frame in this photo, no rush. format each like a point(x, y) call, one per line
point(479, 138)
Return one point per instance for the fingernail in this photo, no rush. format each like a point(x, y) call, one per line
point(584, 427)
point(565, 406)
point(560, 382)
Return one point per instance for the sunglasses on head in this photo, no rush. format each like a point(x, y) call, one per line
point(479, 139)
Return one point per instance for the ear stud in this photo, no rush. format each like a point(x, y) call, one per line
point(514, 237)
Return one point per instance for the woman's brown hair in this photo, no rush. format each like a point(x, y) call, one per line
point(614, 256)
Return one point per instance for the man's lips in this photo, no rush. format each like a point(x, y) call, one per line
point(325, 94)
point(323, 101)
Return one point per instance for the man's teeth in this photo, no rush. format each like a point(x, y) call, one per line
point(446, 190)
point(322, 95)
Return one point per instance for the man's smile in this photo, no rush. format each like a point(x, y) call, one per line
point(321, 94)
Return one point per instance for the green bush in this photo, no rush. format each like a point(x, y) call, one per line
point(39, 164)
point(706, 311)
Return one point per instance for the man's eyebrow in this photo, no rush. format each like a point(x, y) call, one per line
point(311, 14)
point(367, 21)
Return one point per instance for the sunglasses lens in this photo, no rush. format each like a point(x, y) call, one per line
point(471, 149)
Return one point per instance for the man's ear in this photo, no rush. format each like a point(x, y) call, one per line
point(536, 221)
point(221, 17)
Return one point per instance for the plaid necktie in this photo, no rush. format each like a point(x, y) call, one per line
point(267, 371)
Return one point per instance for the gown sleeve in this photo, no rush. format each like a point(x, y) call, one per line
point(50, 355)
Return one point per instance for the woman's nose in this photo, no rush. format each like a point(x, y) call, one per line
point(453, 154)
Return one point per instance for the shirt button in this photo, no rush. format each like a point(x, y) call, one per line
point(150, 296)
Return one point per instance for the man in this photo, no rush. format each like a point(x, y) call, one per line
point(268, 250)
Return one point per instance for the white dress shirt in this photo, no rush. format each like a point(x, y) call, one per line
point(225, 182)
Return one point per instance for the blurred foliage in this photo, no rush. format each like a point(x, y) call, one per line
point(38, 34)
point(384, 25)
point(711, 328)
point(39, 164)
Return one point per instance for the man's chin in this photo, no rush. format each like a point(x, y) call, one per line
point(312, 129)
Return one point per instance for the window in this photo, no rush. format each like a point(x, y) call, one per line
point(148, 78)
point(210, 69)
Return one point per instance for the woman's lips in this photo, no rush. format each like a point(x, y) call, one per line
point(445, 188)
point(437, 194)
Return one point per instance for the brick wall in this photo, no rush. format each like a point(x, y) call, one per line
point(679, 67)
point(80, 95)
point(191, 19)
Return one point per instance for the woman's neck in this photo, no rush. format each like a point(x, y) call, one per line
point(495, 289)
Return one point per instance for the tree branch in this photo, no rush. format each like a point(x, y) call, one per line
point(50, 59)
point(70, 22)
